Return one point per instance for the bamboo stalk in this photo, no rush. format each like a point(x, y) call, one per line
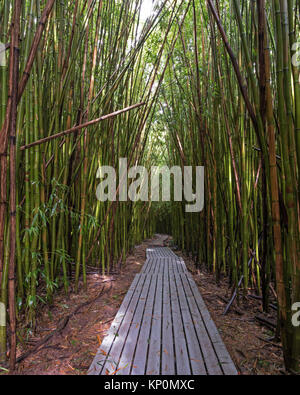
point(80, 127)
point(14, 64)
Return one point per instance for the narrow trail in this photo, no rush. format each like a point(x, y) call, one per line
point(72, 350)
point(163, 326)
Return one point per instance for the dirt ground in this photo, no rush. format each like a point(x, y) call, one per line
point(70, 332)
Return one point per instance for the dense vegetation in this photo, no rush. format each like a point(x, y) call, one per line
point(201, 83)
point(231, 102)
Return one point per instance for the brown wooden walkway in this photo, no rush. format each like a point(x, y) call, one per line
point(163, 326)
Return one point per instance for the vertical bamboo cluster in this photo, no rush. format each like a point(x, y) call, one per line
point(77, 61)
point(230, 102)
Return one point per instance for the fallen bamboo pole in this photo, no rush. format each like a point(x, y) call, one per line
point(79, 127)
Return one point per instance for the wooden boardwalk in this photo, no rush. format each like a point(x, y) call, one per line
point(163, 326)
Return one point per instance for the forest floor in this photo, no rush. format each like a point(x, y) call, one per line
point(70, 332)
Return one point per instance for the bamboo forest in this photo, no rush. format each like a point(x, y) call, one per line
point(205, 88)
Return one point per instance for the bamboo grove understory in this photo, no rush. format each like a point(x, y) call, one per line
point(213, 83)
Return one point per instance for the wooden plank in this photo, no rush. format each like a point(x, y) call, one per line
point(148, 267)
point(195, 354)
point(159, 265)
point(181, 352)
point(112, 361)
point(151, 265)
point(155, 267)
point(171, 267)
point(211, 361)
point(96, 367)
point(226, 362)
point(178, 265)
point(168, 265)
point(126, 360)
point(168, 358)
point(140, 357)
point(181, 265)
point(154, 354)
point(163, 265)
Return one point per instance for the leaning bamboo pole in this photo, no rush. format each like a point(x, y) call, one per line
point(80, 127)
